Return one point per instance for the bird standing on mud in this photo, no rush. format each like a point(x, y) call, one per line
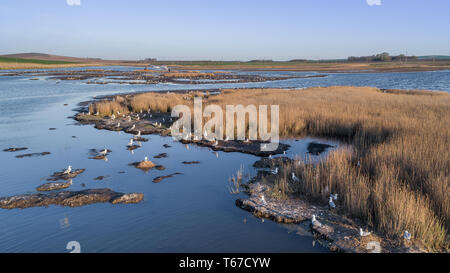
point(364, 233)
point(331, 203)
point(314, 221)
point(68, 170)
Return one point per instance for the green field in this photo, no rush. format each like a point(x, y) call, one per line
point(35, 61)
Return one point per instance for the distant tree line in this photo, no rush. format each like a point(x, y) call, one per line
point(382, 57)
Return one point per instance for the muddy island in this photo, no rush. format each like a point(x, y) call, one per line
point(70, 198)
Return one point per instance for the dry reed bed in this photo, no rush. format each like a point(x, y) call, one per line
point(394, 173)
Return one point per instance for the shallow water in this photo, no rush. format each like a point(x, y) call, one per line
point(192, 212)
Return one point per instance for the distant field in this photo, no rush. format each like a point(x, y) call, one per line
point(33, 61)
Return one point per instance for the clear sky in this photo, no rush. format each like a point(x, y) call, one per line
point(224, 29)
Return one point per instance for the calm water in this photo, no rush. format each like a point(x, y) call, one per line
point(192, 212)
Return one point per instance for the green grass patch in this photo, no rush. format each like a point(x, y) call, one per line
point(35, 61)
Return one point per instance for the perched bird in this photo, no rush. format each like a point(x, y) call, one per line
point(246, 140)
point(364, 233)
point(145, 159)
point(314, 221)
point(68, 170)
point(227, 138)
point(275, 171)
point(129, 118)
point(97, 113)
point(295, 178)
point(216, 143)
point(334, 196)
point(263, 200)
point(130, 143)
point(133, 127)
point(407, 235)
point(331, 203)
point(113, 116)
point(118, 125)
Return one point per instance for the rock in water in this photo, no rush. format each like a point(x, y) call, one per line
point(53, 186)
point(69, 198)
point(128, 198)
point(65, 176)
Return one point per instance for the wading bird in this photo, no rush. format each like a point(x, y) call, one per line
point(130, 143)
point(295, 178)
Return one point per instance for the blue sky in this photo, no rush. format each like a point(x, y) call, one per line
point(224, 30)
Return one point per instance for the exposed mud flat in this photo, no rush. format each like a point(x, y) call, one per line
point(33, 154)
point(159, 123)
point(315, 148)
point(54, 186)
point(70, 198)
point(147, 165)
point(145, 123)
point(161, 155)
point(250, 147)
point(11, 150)
point(161, 178)
point(190, 162)
point(65, 176)
point(150, 76)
